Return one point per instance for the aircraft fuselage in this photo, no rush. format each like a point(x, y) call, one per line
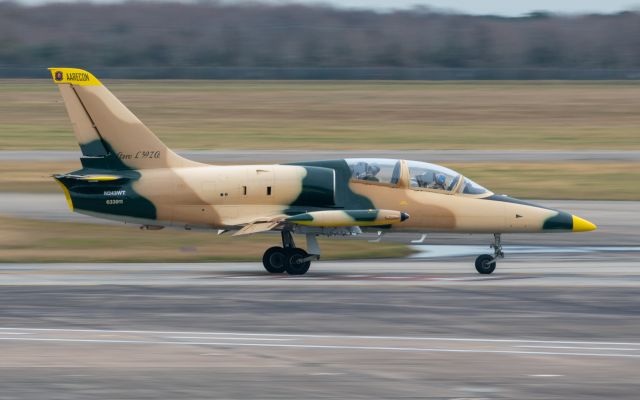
point(225, 197)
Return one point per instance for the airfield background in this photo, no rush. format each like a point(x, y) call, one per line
point(543, 107)
point(214, 40)
point(455, 89)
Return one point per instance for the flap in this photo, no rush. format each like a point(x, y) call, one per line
point(256, 227)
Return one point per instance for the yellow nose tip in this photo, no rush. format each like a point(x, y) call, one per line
point(582, 225)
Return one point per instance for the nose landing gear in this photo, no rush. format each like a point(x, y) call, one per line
point(289, 258)
point(486, 263)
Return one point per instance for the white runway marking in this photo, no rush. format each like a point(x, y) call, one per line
point(325, 336)
point(579, 348)
point(329, 347)
point(229, 338)
point(326, 373)
point(326, 342)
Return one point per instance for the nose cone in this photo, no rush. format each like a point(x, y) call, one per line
point(582, 225)
point(567, 222)
point(404, 216)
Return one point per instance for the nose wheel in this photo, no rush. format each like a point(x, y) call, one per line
point(486, 263)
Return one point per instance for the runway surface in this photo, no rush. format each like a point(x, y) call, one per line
point(617, 221)
point(554, 326)
point(268, 156)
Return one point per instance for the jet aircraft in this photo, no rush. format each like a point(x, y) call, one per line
point(129, 175)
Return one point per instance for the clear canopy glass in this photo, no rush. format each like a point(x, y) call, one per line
point(422, 175)
point(431, 176)
point(470, 187)
point(380, 170)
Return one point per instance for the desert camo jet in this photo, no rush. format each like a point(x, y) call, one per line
point(129, 175)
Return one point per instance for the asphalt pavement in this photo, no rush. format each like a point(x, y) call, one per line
point(555, 327)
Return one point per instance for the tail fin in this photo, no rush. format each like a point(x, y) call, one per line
point(108, 133)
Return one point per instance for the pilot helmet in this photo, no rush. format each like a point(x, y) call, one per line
point(441, 179)
point(373, 169)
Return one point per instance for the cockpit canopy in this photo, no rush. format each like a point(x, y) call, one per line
point(379, 170)
point(421, 175)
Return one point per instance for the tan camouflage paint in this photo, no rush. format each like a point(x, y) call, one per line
point(189, 193)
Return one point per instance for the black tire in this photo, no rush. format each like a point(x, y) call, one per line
point(485, 264)
point(292, 264)
point(274, 260)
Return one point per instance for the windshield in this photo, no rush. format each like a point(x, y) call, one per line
point(470, 187)
point(379, 170)
point(431, 176)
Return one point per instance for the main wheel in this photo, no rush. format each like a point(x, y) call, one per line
point(274, 260)
point(485, 264)
point(293, 263)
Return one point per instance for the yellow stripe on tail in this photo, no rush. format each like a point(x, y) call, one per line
point(74, 76)
point(66, 194)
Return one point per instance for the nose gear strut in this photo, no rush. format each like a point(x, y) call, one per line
point(485, 263)
point(497, 247)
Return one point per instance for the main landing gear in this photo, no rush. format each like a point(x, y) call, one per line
point(486, 263)
point(290, 258)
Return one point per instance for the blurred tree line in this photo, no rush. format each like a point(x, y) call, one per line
point(211, 34)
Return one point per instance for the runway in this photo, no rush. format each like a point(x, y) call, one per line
point(526, 269)
point(553, 326)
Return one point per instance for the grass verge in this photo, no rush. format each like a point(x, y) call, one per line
point(345, 115)
point(44, 241)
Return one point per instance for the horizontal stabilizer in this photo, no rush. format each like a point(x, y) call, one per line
point(90, 178)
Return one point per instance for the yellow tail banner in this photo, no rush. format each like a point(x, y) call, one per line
point(74, 76)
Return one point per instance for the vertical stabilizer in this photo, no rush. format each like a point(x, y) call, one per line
point(106, 128)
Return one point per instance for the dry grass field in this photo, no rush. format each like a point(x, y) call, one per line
point(345, 115)
point(322, 115)
point(43, 241)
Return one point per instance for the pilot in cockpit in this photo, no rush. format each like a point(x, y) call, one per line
point(372, 171)
point(366, 171)
point(439, 183)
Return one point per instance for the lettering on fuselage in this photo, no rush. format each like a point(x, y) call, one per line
point(143, 154)
point(115, 192)
point(77, 76)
